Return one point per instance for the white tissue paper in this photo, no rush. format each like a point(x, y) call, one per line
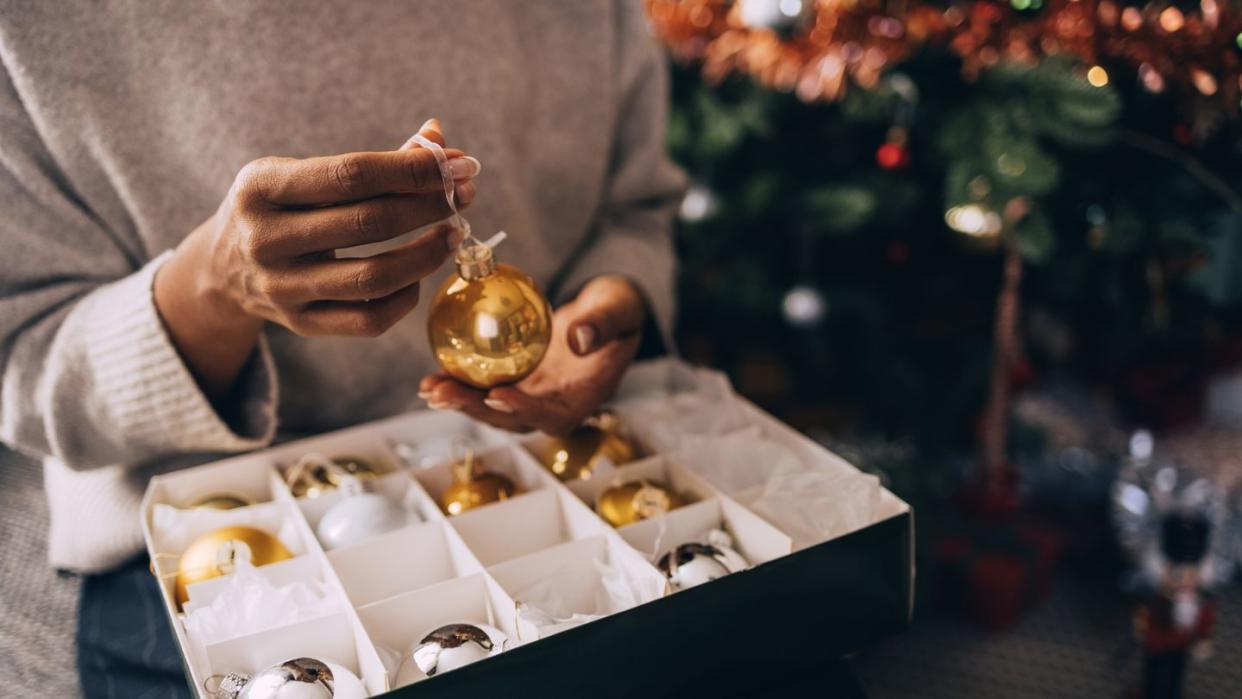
point(667, 424)
point(249, 603)
point(433, 451)
point(175, 529)
point(810, 504)
point(543, 605)
point(740, 463)
point(662, 378)
point(814, 507)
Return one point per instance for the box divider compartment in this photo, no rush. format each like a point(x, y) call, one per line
point(399, 561)
point(396, 624)
point(564, 581)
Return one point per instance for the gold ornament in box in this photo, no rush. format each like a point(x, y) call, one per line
point(473, 487)
point(634, 501)
point(488, 324)
point(575, 456)
point(315, 474)
point(219, 552)
point(221, 501)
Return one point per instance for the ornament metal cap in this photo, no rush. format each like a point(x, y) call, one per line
point(475, 260)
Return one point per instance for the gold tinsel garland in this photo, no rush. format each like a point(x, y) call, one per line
point(833, 43)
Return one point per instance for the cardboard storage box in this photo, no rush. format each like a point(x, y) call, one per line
point(803, 601)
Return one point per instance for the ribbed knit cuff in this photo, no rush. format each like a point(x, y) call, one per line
point(148, 393)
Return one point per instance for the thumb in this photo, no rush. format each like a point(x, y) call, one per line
point(609, 308)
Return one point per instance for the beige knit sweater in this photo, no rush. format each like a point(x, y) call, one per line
point(122, 124)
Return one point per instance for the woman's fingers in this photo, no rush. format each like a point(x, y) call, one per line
point(367, 278)
point(356, 318)
point(291, 182)
point(296, 233)
point(551, 413)
point(443, 393)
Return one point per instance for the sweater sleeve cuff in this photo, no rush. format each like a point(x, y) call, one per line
point(148, 392)
point(650, 268)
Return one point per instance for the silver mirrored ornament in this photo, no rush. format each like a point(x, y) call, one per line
point(695, 563)
point(299, 678)
point(455, 645)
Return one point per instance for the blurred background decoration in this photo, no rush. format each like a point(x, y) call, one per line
point(973, 245)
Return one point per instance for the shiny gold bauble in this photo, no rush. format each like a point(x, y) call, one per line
point(473, 488)
point(635, 501)
point(575, 456)
point(221, 501)
point(218, 553)
point(488, 324)
point(314, 479)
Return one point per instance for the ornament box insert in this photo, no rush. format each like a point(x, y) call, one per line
point(828, 599)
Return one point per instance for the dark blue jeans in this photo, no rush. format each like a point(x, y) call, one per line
point(126, 649)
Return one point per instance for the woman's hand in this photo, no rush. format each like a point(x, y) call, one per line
point(268, 253)
point(594, 339)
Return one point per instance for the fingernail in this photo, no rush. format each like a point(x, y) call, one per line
point(425, 395)
point(464, 192)
point(465, 167)
point(454, 239)
point(441, 405)
point(498, 405)
point(585, 335)
point(432, 124)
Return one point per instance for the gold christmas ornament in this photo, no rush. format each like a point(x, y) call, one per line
point(315, 474)
point(575, 456)
point(472, 488)
point(218, 553)
point(222, 501)
point(634, 501)
point(488, 324)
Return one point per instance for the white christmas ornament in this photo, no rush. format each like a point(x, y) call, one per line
point(359, 516)
point(803, 306)
point(299, 678)
point(777, 15)
point(698, 204)
point(456, 645)
point(695, 563)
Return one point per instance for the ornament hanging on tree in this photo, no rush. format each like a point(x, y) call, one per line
point(218, 553)
point(894, 153)
point(473, 488)
point(699, 204)
point(299, 678)
point(785, 17)
point(804, 306)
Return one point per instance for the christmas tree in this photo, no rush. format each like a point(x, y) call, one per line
point(902, 211)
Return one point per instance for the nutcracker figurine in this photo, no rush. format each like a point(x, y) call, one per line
point(1176, 620)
